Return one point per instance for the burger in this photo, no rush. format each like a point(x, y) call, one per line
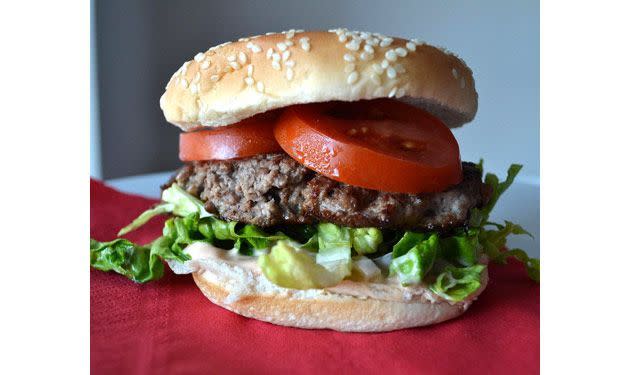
point(322, 186)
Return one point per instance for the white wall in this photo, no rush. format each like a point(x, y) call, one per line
point(142, 42)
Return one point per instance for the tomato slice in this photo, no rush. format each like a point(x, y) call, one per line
point(249, 137)
point(380, 144)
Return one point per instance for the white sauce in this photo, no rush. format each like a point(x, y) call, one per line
point(241, 276)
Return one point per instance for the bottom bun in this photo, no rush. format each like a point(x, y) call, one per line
point(329, 310)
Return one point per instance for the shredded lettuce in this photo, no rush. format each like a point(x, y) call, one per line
point(176, 201)
point(462, 248)
point(335, 244)
point(366, 240)
point(413, 257)
point(289, 267)
point(456, 284)
point(138, 263)
point(493, 241)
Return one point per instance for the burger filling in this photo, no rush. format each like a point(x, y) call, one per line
point(317, 194)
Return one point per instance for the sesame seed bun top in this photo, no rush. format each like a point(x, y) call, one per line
point(236, 80)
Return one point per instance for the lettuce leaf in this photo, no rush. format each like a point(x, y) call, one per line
point(455, 284)
point(289, 267)
point(335, 244)
point(413, 257)
point(462, 248)
point(176, 201)
point(493, 241)
point(138, 263)
point(366, 240)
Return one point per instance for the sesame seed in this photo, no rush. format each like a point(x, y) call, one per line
point(269, 53)
point(386, 42)
point(411, 46)
point(235, 65)
point(260, 86)
point(352, 131)
point(349, 57)
point(290, 63)
point(200, 56)
point(364, 129)
point(306, 46)
point(416, 41)
point(197, 77)
point(194, 88)
point(391, 55)
point(384, 64)
point(349, 68)
point(366, 56)
point(391, 72)
point(281, 46)
point(462, 83)
point(242, 57)
point(290, 34)
point(249, 81)
point(249, 45)
point(372, 42)
point(205, 65)
point(285, 55)
point(364, 35)
point(243, 39)
point(299, 30)
point(353, 77)
point(375, 78)
point(184, 68)
point(353, 45)
point(275, 56)
point(377, 68)
point(275, 65)
point(400, 69)
point(271, 33)
point(455, 73)
point(214, 78)
point(231, 58)
point(401, 52)
point(184, 83)
point(289, 43)
point(289, 74)
point(392, 93)
point(343, 38)
point(304, 39)
point(368, 48)
point(250, 70)
point(256, 48)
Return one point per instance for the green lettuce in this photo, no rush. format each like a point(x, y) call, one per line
point(176, 201)
point(138, 263)
point(462, 248)
point(289, 267)
point(366, 240)
point(456, 284)
point(335, 245)
point(493, 241)
point(413, 257)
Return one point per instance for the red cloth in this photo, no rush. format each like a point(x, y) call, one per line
point(169, 327)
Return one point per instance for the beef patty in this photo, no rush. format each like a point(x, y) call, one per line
point(273, 189)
